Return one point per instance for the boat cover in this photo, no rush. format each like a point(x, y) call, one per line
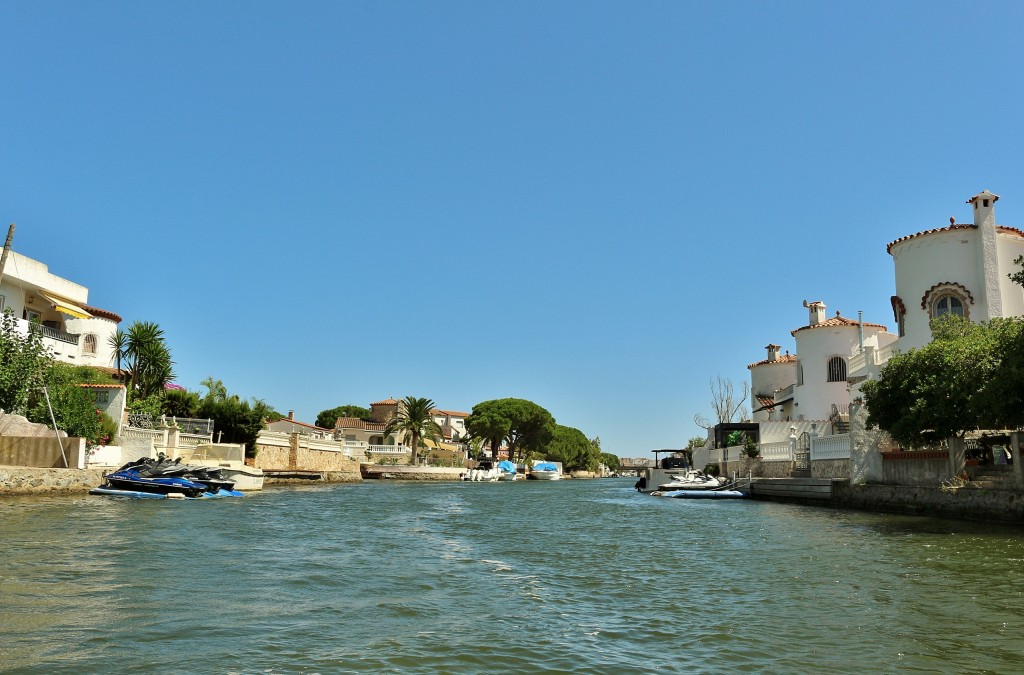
point(544, 466)
point(506, 466)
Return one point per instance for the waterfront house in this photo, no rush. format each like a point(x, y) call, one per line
point(960, 269)
point(290, 425)
point(812, 384)
point(74, 331)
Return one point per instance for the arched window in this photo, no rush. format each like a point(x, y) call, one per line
point(799, 374)
point(947, 304)
point(89, 345)
point(837, 369)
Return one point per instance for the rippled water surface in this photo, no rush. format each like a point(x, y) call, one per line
point(571, 576)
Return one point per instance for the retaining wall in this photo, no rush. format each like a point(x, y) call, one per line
point(16, 480)
point(42, 452)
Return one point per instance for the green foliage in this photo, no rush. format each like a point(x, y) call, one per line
point(609, 460)
point(523, 425)
point(143, 354)
point(1018, 276)
point(734, 438)
point(328, 418)
point(570, 447)
point(236, 420)
point(929, 394)
point(712, 469)
point(151, 406)
point(180, 403)
point(414, 422)
point(750, 446)
point(74, 408)
point(24, 365)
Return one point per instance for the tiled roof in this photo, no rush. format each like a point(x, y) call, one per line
point(837, 321)
point(784, 358)
point(349, 423)
point(387, 401)
point(1009, 230)
point(766, 401)
point(102, 386)
point(948, 228)
point(102, 313)
point(448, 413)
point(301, 424)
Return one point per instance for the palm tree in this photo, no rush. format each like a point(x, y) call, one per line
point(146, 358)
point(119, 343)
point(414, 421)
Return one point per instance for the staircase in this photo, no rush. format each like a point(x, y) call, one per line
point(993, 477)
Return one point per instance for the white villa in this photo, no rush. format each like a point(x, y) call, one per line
point(811, 385)
point(75, 331)
point(958, 269)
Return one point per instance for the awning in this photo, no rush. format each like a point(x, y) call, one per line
point(67, 307)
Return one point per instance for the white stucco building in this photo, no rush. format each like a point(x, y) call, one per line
point(75, 331)
point(960, 269)
point(812, 384)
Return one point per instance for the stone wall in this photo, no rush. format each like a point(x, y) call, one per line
point(42, 452)
point(28, 481)
point(272, 456)
point(970, 503)
point(411, 472)
point(830, 468)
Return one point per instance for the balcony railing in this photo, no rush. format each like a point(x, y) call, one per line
point(54, 333)
point(389, 449)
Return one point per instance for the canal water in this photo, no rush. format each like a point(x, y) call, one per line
point(570, 576)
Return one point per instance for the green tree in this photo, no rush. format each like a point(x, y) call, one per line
point(609, 460)
point(143, 353)
point(928, 394)
point(572, 448)
point(215, 389)
point(414, 421)
point(328, 418)
point(236, 420)
point(180, 403)
point(522, 424)
point(999, 399)
point(24, 365)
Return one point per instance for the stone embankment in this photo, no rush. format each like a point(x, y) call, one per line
point(19, 480)
point(399, 472)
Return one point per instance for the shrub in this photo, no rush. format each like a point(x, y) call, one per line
point(712, 469)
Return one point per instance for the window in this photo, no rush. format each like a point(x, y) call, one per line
point(837, 369)
point(89, 346)
point(799, 374)
point(947, 304)
point(3, 302)
point(102, 396)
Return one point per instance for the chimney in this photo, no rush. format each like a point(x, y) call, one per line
point(773, 352)
point(984, 208)
point(291, 414)
point(816, 310)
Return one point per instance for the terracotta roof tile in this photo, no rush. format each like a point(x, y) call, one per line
point(301, 424)
point(102, 386)
point(948, 228)
point(387, 401)
point(102, 313)
point(784, 358)
point(449, 413)
point(838, 321)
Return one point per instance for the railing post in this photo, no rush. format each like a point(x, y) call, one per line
point(792, 444)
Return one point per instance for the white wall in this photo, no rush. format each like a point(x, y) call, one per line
point(765, 380)
point(931, 259)
point(814, 347)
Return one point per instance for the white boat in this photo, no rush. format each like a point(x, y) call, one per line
point(545, 471)
point(692, 480)
point(484, 472)
point(507, 471)
point(230, 459)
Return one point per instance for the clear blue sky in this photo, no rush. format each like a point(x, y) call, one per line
point(597, 206)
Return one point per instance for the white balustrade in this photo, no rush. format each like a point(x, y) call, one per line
point(389, 449)
point(830, 447)
point(776, 452)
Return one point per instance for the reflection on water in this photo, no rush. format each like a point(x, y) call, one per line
point(504, 577)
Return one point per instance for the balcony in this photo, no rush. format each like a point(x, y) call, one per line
point(53, 333)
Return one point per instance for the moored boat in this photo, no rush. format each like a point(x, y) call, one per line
point(692, 480)
point(229, 458)
point(507, 470)
point(544, 471)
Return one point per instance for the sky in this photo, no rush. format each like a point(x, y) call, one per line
point(596, 206)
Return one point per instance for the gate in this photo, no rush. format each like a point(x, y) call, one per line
point(802, 455)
